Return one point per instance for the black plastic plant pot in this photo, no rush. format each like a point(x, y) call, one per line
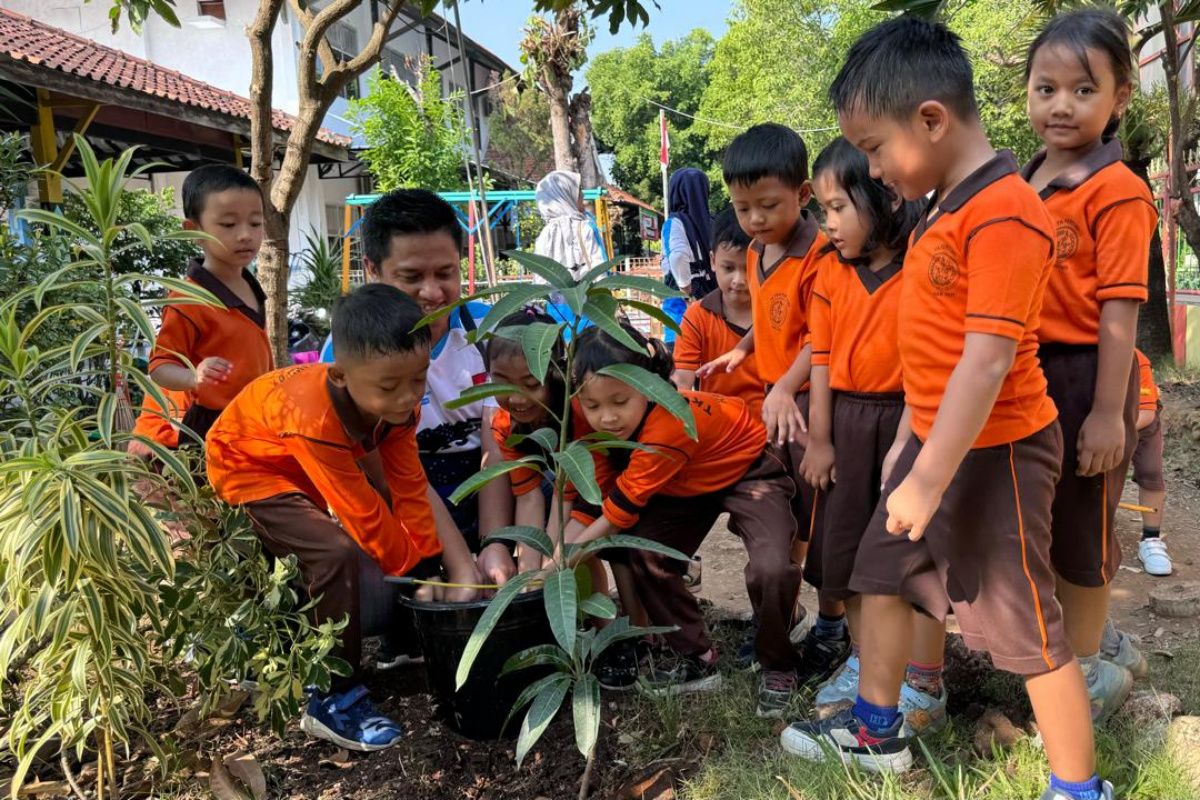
point(479, 708)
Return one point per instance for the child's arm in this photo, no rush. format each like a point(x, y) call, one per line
point(456, 556)
point(903, 434)
point(784, 421)
point(966, 405)
point(1102, 437)
point(177, 339)
point(1145, 417)
point(817, 466)
point(495, 497)
point(530, 511)
point(731, 360)
point(684, 378)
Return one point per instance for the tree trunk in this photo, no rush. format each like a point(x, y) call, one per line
point(1154, 321)
point(560, 129)
point(1181, 205)
point(584, 143)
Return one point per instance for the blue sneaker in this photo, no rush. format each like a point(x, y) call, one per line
point(349, 720)
point(838, 692)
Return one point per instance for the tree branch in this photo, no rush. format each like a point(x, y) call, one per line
point(262, 131)
point(314, 36)
point(324, 51)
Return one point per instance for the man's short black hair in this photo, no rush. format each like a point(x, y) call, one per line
point(901, 63)
point(405, 211)
point(768, 150)
point(377, 320)
point(210, 179)
point(727, 231)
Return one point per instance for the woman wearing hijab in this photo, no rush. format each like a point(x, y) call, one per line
point(687, 237)
point(567, 236)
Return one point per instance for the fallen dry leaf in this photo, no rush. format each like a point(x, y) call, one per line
point(339, 760)
point(224, 786)
point(245, 768)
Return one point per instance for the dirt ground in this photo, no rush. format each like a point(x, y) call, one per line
point(433, 763)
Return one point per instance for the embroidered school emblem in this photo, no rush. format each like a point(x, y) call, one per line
point(943, 270)
point(778, 309)
point(1066, 241)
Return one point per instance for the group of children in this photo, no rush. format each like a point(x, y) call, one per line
point(929, 408)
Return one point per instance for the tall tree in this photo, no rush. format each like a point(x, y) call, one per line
point(519, 141)
point(624, 81)
point(552, 50)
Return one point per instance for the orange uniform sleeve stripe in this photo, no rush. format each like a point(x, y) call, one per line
point(1001, 299)
point(1122, 233)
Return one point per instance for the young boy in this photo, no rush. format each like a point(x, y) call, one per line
point(717, 323)
point(1148, 472)
point(972, 489)
point(305, 441)
point(204, 355)
point(412, 241)
point(766, 170)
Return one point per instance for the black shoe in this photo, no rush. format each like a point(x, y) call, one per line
point(820, 657)
point(673, 673)
point(395, 652)
point(747, 657)
point(618, 667)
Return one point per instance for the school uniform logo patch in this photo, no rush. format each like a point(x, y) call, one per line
point(778, 309)
point(943, 270)
point(1066, 242)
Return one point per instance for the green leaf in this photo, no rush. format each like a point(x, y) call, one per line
point(651, 310)
point(479, 479)
point(595, 272)
point(585, 705)
point(601, 310)
point(487, 623)
point(538, 342)
point(657, 390)
point(620, 630)
point(518, 295)
point(533, 690)
point(525, 534)
point(537, 656)
point(558, 594)
point(599, 605)
point(541, 712)
point(577, 464)
point(636, 542)
point(555, 273)
point(482, 392)
point(639, 283)
point(546, 439)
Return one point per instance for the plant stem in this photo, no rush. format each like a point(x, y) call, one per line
point(70, 779)
point(586, 780)
point(110, 764)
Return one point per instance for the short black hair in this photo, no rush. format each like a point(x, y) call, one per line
point(405, 211)
point(377, 320)
point(1100, 29)
point(901, 63)
point(769, 150)
point(887, 226)
point(727, 231)
point(210, 179)
point(595, 349)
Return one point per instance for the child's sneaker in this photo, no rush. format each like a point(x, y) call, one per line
point(775, 690)
point(1106, 793)
point(679, 674)
point(820, 656)
point(1154, 557)
point(842, 736)
point(747, 655)
point(618, 667)
point(923, 713)
point(839, 691)
point(1108, 686)
point(395, 652)
point(349, 720)
point(1121, 649)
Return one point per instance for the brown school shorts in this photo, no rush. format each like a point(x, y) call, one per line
point(985, 555)
point(1084, 548)
point(1148, 457)
point(864, 428)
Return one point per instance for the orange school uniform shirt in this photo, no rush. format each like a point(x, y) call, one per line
point(292, 431)
point(525, 480)
point(854, 320)
point(780, 295)
point(1104, 217)
point(704, 334)
point(729, 440)
point(978, 265)
point(157, 425)
point(232, 331)
point(1148, 389)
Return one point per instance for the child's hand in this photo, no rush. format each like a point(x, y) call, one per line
point(912, 505)
point(495, 564)
point(817, 466)
point(212, 370)
point(528, 559)
point(889, 463)
point(467, 574)
point(1101, 444)
point(723, 363)
point(783, 419)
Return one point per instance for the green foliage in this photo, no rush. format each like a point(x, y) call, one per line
point(117, 579)
point(519, 141)
point(624, 80)
point(154, 211)
point(415, 137)
point(323, 266)
point(15, 172)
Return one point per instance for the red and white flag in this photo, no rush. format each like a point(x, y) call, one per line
point(664, 150)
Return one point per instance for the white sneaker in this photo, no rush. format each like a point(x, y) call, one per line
point(839, 691)
point(1153, 555)
point(923, 713)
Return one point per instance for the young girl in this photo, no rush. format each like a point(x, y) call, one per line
point(673, 490)
point(1079, 73)
point(858, 422)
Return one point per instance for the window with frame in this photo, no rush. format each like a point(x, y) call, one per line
point(211, 8)
point(343, 40)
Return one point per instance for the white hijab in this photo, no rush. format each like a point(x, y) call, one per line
point(567, 237)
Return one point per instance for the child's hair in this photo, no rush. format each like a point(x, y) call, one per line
point(595, 350)
point(503, 347)
point(727, 231)
point(210, 179)
point(768, 150)
point(405, 211)
point(377, 320)
point(1099, 29)
point(901, 63)
point(889, 225)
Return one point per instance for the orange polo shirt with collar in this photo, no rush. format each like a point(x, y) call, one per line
point(705, 334)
